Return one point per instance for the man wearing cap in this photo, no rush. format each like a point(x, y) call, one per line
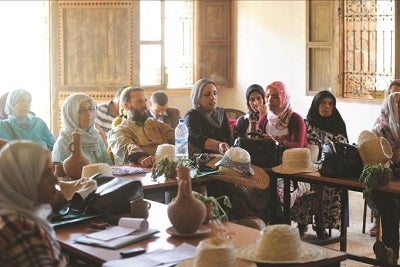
point(159, 109)
point(137, 137)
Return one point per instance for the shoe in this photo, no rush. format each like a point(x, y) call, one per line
point(383, 253)
point(373, 230)
point(321, 232)
point(302, 229)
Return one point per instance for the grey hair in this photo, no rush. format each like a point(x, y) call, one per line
point(197, 89)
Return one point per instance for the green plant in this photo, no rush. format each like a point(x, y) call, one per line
point(164, 165)
point(167, 166)
point(374, 175)
point(218, 211)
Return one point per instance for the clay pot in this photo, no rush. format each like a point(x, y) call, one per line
point(186, 212)
point(74, 163)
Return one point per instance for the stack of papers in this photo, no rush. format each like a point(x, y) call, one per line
point(127, 231)
point(127, 170)
point(159, 258)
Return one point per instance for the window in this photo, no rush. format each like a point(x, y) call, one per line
point(351, 47)
point(166, 43)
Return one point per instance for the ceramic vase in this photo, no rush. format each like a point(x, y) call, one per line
point(186, 212)
point(74, 163)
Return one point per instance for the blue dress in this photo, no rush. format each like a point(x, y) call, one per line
point(34, 129)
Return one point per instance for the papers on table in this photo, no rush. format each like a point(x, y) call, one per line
point(127, 170)
point(125, 227)
point(157, 258)
point(127, 231)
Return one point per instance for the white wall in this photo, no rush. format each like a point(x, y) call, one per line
point(271, 38)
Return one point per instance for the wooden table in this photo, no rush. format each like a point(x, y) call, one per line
point(345, 184)
point(240, 236)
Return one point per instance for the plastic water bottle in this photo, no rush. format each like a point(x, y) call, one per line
point(181, 140)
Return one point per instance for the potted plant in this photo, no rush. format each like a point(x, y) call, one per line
point(374, 175)
point(213, 202)
point(167, 166)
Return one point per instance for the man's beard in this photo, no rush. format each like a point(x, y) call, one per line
point(139, 116)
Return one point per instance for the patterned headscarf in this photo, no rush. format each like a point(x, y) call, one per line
point(387, 124)
point(69, 118)
point(20, 173)
point(281, 118)
point(333, 124)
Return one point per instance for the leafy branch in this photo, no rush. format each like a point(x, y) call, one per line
point(218, 211)
point(373, 176)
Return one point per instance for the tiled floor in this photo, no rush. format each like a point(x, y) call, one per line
point(357, 242)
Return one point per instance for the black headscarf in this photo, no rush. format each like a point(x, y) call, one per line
point(333, 124)
point(254, 88)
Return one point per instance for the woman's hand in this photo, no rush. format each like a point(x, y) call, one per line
point(147, 161)
point(223, 147)
point(262, 110)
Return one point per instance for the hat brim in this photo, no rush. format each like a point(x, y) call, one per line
point(240, 263)
point(309, 253)
point(287, 170)
point(260, 178)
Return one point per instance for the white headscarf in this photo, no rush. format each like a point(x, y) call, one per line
point(20, 173)
point(69, 118)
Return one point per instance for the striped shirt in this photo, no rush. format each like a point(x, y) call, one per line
point(104, 117)
point(24, 243)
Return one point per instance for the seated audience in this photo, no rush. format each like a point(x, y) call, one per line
point(209, 130)
point(255, 100)
point(106, 112)
point(159, 109)
point(78, 112)
point(137, 137)
point(27, 188)
point(20, 124)
point(287, 128)
point(324, 123)
point(387, 125)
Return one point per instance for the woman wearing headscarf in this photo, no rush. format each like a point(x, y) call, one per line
point(255, 100)
point(324, 123)
point(208, 125)
point(78, 112)
point(27, 187)
point(20, 124)
point(285, 126)
point(387, 125)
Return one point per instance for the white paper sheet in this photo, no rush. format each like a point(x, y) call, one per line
point(125, 227)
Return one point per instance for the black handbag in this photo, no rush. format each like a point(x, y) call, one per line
point(113, 195)
point(264, 152)
point(340, 160)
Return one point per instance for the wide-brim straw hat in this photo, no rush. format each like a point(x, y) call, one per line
point(82, 186)
point(281, 244)
point(296, 160)
point(375, 150)
point(260, 178)
point(365, 135)
point(167, 150)
point(215, 252)
point(96, 168)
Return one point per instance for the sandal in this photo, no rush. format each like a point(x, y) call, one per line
point(321, 232)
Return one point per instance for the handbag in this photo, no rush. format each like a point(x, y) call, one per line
point(340, 160)
point(264, 152)
point(113, 195)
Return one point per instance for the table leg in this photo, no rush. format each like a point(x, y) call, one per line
point(286, 200)
point(344, 212)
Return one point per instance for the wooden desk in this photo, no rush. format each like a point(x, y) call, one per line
point(95, 256)
point(345, 184)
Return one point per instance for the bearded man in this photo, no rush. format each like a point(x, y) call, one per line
point(137, 137)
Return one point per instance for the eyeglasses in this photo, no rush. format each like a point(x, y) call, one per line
point(86, 110)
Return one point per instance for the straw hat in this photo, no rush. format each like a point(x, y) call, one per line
point(165, 150)
point(281, 244)
point(235, 167)
point(374, 149)
point(83, 187)
point(295, 160)
point(95, 168)
point(215, 252)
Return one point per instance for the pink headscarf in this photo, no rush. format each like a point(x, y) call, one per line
point(281, 118)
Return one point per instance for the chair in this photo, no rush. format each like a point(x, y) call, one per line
point(233, 115)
